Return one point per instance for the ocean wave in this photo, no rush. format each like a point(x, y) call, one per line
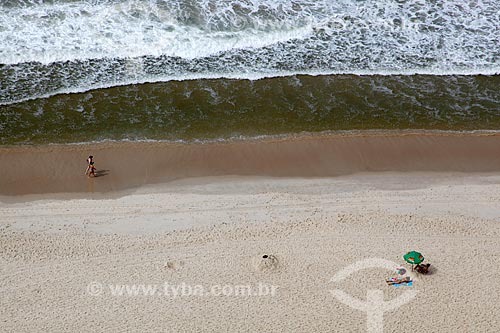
point(76, 31)
point(242, 76)
point(51, 47)
point(58, 31)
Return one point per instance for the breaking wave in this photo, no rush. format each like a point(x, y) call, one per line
point(51, 47)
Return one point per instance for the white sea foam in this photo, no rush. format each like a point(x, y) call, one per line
point(240, 76)
point(92, 44)
point(284, 136)
point(132, 28)
point(76, 30)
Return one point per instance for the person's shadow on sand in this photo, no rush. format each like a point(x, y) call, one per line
point(100, 173)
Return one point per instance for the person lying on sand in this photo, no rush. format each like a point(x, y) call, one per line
point(391, 281)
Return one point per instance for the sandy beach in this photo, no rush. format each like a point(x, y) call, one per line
point(125, 166)
point(260, 166)
point(174, 219)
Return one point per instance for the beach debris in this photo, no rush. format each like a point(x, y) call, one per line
point(401, 270)
point(266, 262)
point(173, 264)
point(422, 269)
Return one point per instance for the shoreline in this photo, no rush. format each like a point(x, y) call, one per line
point(56, 169)
point(263, 138)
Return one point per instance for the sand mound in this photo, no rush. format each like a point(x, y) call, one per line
point(266, 262)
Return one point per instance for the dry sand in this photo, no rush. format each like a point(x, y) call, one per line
point(60, 260)
point(215, 231)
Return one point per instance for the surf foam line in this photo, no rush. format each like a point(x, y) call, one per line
point(242, 76)
point(272, 137)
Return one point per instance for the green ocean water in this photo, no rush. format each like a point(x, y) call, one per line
point(192, 70)
point(212, 109)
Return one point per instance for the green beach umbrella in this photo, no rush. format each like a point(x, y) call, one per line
point(414, 258)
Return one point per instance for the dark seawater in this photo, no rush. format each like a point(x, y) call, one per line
point(77, 71)
point(225, 108)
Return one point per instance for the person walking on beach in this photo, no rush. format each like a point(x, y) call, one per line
point(91, 169)
point(90, 165)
